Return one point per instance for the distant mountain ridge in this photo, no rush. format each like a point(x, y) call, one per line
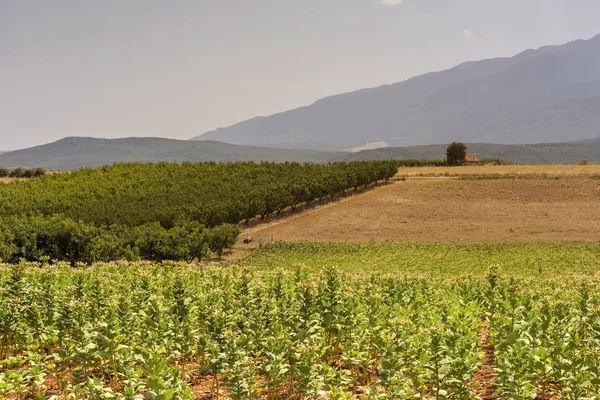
point(551, 94)
point(76, 152)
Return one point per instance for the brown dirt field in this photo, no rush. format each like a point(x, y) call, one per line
point(504, 170)
point(452, 210)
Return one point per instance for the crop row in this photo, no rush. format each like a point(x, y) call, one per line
point(547, 340)
point(118, 331)
point(172, 331)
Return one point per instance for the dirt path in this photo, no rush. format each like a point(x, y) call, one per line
point(484, 377)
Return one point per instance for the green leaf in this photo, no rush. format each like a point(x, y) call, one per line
point(155, 384)
point(167, 395)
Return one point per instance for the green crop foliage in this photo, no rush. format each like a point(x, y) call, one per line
point(439, 260)
point(161, 330)
point(121, 330)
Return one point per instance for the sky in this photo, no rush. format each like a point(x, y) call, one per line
point(179, 68)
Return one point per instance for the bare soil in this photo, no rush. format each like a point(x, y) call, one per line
point(485, 375)
point(532, 209)
point(504, 170)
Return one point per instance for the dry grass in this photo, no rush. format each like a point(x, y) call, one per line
point(504, 170)
point(9, 180)
point(453, 210)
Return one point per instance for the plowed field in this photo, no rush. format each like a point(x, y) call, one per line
point(525, 209)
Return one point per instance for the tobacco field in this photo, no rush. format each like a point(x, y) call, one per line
point(178, 331)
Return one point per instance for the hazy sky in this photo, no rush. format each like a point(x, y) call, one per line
point(115, 68)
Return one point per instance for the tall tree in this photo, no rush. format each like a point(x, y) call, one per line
point(456, 153)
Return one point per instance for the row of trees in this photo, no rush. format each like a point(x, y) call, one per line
point(209, 193)
point(21, 172)
point(161, 211)
point(421, 163)
point(39, 238)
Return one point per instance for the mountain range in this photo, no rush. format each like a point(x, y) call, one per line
point(551, 94)
point(501, 106)
point(77, 152)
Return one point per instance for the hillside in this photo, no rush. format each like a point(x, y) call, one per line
point(546, 153)
point(75, 152)
point(551, 94)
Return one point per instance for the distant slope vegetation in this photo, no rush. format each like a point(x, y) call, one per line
point(72, 153)
point(551, 94)
point(545, 153)
point(76, 152)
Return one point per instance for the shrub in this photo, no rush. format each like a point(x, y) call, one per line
point(36, 172)
point(195, 237)
point(18, 172)
point(37, 237)
point(223, 237)
point(7, 247)
point(107, 246)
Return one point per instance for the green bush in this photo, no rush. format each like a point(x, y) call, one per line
point(36, 172)
point(21, 172)
point(36, 238)
point(223, 237)
point(7, 246)
point(110, 245)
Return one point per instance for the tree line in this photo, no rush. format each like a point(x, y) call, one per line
point(21, 172)
point(46, 238)
point(161, 211)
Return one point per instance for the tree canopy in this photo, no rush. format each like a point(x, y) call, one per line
point(160, 211)
point(456, 153)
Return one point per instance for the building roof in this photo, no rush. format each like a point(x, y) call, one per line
point(470, 157)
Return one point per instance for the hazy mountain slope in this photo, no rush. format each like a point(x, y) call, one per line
point(571, 119)
point(494, 100)
point(591, 141)
point(547, 153)
point(76, 152)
